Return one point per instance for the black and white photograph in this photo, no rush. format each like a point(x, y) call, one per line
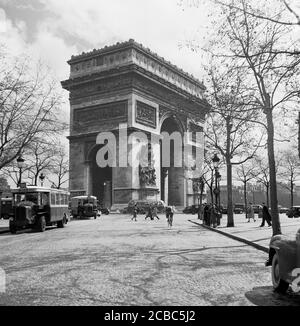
point(150, 156)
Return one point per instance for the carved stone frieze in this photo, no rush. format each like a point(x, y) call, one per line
point(145, 114)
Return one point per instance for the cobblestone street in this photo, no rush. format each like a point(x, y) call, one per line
point(115, 261)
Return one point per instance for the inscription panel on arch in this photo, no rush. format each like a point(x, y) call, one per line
point(93, 115)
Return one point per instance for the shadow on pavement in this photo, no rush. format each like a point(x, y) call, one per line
point(265, 296)
point(29, 230)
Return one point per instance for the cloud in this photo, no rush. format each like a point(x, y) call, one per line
point(159, 25)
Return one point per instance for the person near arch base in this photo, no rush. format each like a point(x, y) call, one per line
point(266, 216)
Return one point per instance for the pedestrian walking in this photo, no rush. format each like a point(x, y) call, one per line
point(154, 212)
point(206, 215)
point(149, 214)
point(214, 216)
point(266, 217)
point(250, 213)
point(169, 215)
point(135, 210)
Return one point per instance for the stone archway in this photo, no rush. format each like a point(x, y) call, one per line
point(172, 178)
point(100, 179)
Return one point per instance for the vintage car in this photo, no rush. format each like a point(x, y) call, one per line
point(38, 207)
point(284, 257)
point(239, 208)
point(293, 212)
point(84, 207)
point(283, 210)
point(193, 209)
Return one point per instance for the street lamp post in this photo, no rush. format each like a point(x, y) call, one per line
point(42, 177)
point(21, 165)
point(219, 190)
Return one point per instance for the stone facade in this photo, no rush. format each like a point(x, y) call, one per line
point(129, 86)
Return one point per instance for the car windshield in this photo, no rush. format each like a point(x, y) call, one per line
point(32, 197)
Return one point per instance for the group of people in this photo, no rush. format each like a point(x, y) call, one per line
point(265, 215)
point(211, 215)
point(152, 213)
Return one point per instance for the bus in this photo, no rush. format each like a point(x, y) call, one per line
point(39, 207)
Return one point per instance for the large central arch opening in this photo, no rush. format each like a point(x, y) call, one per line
point(172, 177)
point(101, 180)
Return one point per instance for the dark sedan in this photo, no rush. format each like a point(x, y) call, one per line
point(193, 209)
point(293, 212)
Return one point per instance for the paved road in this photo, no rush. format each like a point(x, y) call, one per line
point(115, 261)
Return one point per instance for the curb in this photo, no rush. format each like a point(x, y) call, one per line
point(248, 242)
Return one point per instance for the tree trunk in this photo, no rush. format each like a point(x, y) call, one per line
point(292, 193)
point(273, 183)
point(230, 219)
point(211, 187)
point(267, 195)
point(245, 198)
point(36, 180)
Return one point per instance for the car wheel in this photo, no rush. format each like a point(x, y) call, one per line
point(279, 285)
point(41, 224)
point(61, 224)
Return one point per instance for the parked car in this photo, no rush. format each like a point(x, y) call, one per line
point(239, 208)
point(143, 206)
point(104, 210)
point(293, 212)
point(84, 207)
point(284, 257)
point(257, 208)
point(283, 210)
point(193, 209)
point(224, 209)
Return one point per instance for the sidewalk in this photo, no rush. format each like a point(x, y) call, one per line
point(252, 232)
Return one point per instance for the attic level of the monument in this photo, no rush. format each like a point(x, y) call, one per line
point(132, 55)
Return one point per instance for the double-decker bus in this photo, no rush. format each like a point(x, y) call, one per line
point(38, 207)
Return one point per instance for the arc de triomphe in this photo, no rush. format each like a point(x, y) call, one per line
point(128, 87)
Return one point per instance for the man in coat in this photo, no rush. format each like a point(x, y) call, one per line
point(266, 216)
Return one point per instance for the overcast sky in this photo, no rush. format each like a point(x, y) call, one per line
point(54, 29)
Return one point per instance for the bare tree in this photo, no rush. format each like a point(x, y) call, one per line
point(290, 171)
point(29, 103)
point(60, 168)
point(246, 173)
point(230, 124)
point(283, 12)
point(39, 158)
point(272, 78)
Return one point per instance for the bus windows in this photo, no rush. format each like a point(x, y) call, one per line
point(53, 202)
point(44, 199)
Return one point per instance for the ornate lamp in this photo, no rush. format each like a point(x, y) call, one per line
point(42, 178)
point(21, 165)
